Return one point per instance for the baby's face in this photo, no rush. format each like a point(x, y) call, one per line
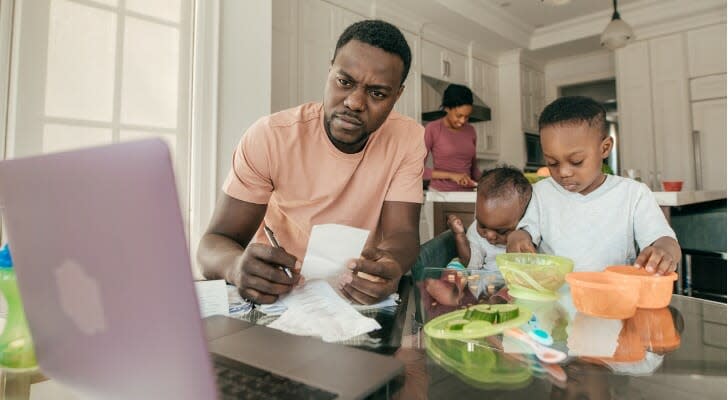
point(497, 217)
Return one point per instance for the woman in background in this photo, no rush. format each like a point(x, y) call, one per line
point(451, 141)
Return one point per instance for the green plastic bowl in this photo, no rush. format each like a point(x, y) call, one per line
point(534, 276)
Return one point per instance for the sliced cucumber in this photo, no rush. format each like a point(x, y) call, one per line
point(507, 312)
point(481, 312)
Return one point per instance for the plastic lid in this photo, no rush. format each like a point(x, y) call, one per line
point(6, 261)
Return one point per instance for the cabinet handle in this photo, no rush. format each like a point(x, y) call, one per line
point(698, 162)
point(446, 65)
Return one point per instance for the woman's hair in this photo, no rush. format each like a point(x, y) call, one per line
point(456, 95)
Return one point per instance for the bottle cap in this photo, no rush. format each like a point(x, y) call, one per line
point(6, 261)
point(455, 264)
point(541, 336)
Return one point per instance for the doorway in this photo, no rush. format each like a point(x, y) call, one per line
point(605, 93)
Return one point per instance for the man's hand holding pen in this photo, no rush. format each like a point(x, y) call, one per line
point(259, 276)
point(372, 277)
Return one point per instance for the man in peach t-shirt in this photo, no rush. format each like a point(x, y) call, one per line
point(349, 160)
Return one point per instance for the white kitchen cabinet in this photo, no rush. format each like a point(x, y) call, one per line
point(407, 103)
point(316, 48)
point(709, 133)
point(708, 87)
point(483, 82)
point(654, 110)
point(671, 109)
point(707, 50)
point(284, 66)
point(456, 65)
point(636, 140)
point(532, 98)
point(443, 64)
point(304, 37)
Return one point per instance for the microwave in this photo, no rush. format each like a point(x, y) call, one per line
point(534, 154)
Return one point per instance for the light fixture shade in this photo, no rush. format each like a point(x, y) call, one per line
point(555, 2)
point(617, 34)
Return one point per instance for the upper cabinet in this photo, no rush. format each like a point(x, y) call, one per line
point(707, 51)
point(408, 101)
point(443, 64)
point(532, 97)
point(483, 80)
point(671, 96)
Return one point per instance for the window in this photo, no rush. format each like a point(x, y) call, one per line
point(93, 72)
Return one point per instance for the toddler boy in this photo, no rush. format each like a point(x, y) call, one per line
point(583, 214)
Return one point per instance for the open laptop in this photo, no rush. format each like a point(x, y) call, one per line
point(104, 274)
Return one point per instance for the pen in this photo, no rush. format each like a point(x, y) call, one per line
point(272, 239)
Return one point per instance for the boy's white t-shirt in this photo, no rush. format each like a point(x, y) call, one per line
point(596, 230)
point(482, 253)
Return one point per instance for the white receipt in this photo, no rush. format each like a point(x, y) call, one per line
point(330, 248)
point(213, 297)
point(315, 309)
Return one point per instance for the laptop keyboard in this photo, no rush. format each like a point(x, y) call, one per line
point(236, 380)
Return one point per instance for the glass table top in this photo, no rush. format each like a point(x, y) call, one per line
point(676, 352)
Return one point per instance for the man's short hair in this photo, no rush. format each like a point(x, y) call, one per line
point(504, 181)
point(379, 34)
point(575, 110)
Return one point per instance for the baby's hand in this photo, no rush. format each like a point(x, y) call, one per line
point(455, 224)
point(655, 259)
point(519, 241)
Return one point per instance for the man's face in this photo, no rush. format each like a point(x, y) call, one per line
point(574, 154)
point(363, 84)
point(497, 217)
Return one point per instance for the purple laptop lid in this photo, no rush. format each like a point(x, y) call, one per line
point(104, 271)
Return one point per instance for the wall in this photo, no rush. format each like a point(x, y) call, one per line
point(512, 145)
point(245, 73)
point(572, 70)
point(601, 91)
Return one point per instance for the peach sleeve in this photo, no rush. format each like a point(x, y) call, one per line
point(406, 185)
point(250, 178)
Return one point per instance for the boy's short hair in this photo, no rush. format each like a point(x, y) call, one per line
point(575, 110)
point(379, 34)
point(504, 180)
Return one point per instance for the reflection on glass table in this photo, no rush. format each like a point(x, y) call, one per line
point(672, 352)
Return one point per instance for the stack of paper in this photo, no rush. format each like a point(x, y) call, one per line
point(330, 248)
point(316, 310)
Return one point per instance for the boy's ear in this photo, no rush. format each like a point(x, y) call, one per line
point(606, 146)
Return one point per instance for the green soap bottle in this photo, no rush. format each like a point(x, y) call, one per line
point(16, 345)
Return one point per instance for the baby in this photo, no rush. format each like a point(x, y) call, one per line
point(503, 194)
point(583, 214)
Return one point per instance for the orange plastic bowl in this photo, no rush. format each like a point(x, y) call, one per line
point(655, 290)
point(672, 186)
point(604, 295)
point(629, 346)
point(657, 330)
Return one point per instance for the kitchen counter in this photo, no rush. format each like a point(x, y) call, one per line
point(668, 199)
point(675, 199)
point(434, 199)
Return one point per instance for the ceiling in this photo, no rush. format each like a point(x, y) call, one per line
point(545, 32)
point(538, 14)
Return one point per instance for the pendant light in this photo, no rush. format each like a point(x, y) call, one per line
point(617, 33)
point(555, 2)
